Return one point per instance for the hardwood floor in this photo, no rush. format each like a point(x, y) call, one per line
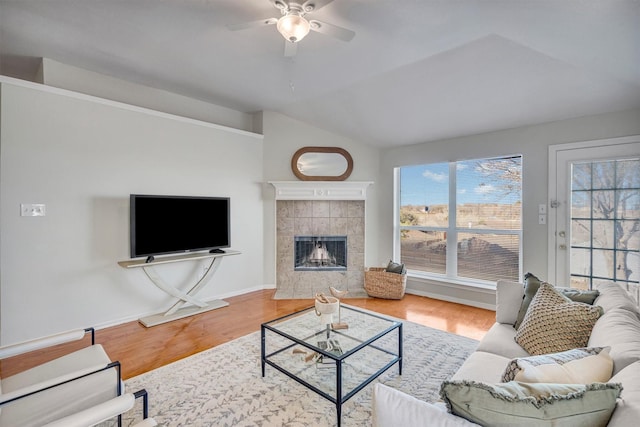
point(141, 349)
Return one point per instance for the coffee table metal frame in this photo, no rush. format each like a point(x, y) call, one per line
point(338, 400)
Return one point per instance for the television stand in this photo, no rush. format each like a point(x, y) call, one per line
point(177, 310)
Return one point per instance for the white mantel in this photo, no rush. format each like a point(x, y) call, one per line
point(321, 190)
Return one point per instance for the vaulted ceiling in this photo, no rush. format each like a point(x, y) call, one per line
point(416, 70)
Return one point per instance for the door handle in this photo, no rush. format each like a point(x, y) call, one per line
point(562, 234)
point(564, 247)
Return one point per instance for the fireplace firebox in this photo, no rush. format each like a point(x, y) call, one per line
point(320, 253)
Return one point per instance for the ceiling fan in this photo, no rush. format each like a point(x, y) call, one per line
point(294, 25)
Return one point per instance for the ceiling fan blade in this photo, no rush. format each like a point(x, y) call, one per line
point(290, 49)
point(252, 24)
point(279, 4)
point(332, 30)
point(313, 5)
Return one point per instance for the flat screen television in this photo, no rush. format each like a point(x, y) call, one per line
point(174, 224)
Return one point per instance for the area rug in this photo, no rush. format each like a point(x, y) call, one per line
point(223, 386)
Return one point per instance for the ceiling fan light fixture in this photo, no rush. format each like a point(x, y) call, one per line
point(293, 27)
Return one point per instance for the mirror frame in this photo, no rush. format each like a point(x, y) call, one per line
point(331, 150)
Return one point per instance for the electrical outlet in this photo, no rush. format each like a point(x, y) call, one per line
point(32, 209)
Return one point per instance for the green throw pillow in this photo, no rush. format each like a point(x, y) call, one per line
point(531, 286)
point(394, 267)
point(580, 295)
point(536, 404)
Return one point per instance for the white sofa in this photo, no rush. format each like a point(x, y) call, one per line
point(618, 328)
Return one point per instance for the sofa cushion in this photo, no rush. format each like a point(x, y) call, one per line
point(554, 323)
point(538, 404)
point(576, 366)
point(393, 408)
point(499, 339)
point(531, 286)
point(613, 296)
point(508, 299)
point(627, 411)
point(483, 367)
point(619, 329)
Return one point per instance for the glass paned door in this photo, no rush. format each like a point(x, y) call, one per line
point(595, 234)
point(605, 221)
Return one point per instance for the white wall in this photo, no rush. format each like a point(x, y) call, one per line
point(56, 74)
point(283, 136)
point(82, 157)
point(532, 142)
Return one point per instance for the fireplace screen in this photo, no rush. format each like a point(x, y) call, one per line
point(320, 253)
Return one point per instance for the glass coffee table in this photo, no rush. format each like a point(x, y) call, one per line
point(335, 363)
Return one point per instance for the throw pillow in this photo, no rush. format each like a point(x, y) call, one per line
point(576, 366)
point(391, 407)
point(539, 404)
point(580, 295)
point(394, 267)
point(554, 323)
point(531, 286)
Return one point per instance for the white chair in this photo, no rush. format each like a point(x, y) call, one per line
point(68, 385)
point(108, 410)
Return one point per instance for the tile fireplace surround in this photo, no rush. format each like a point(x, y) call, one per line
point(317, 215)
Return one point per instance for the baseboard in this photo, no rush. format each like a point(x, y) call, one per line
point(135, 317)
point(453, 292)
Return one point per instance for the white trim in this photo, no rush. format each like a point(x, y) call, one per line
point(449, 298)
point(462, 287)
point(396, 214)
point(462, 301)
point(554, 151)
point(321, 190)
point(488, 287)
point(122, 105)
point(451, 255)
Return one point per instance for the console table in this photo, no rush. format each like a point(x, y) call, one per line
point(177, 311)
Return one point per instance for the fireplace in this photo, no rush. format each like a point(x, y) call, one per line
point(309, 211)
point(320, 253)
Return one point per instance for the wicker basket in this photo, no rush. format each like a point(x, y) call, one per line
point(381, 284)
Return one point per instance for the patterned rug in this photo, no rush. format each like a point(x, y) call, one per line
point(223, 386)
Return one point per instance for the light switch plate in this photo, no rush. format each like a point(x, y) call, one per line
point(542, 209)
point(542, 219)
point(32, 209)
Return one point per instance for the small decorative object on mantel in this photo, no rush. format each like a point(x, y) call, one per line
point(322, 164)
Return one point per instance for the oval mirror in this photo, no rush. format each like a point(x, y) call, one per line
point(322, 164)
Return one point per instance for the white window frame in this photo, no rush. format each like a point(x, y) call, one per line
point(452, 231)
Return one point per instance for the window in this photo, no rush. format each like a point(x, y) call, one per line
point(605, 222)
point(462, 220)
